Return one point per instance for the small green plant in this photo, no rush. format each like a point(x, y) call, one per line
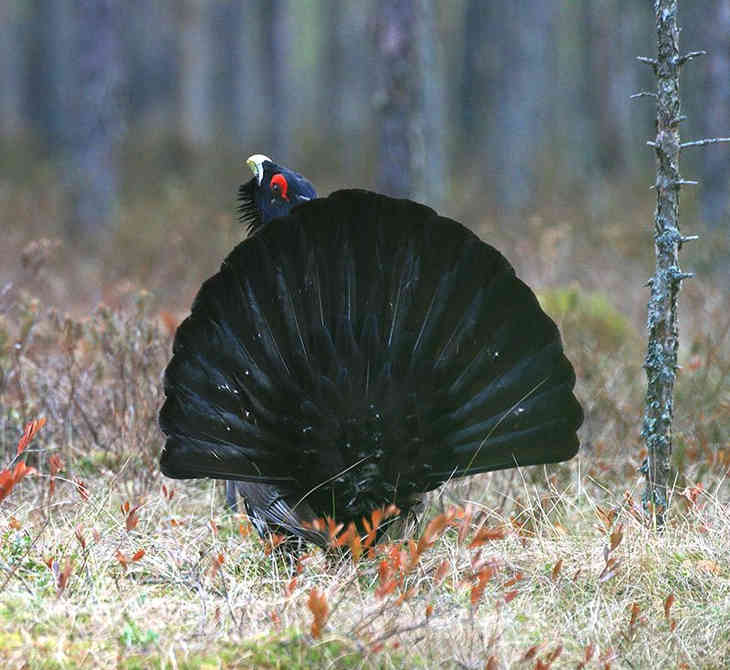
point(133, 635)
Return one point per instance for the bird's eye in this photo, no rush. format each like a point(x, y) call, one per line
point(279, 186)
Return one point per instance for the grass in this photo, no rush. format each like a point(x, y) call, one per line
point(547, 586)
point(100, 566)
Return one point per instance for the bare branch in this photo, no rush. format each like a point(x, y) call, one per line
point(690, 56)
point(705, 142)
point(642, 94)
point(648, 61)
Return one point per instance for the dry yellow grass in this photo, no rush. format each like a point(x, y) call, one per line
point(203, 593)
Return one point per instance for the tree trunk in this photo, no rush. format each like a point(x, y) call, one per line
point(11, 70)
point(473, 74)
point(97, 116)
point(196, 117)
point(661, 357)
point(236, 53)
point(276, 41)
point(715, 165)
point(345, 83)
point(52, 81)
point(520, 99)
point(409, 142)
point(150, 41)
point(432, 188)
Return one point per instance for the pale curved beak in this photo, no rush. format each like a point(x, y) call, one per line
point(256, 164)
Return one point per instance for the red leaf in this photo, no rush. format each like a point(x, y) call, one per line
point(617, 536)
point(55, 464)
point(132, 518)
point(635, 609)
point(138, 555)
point(63, 576)
point(692, 493)
point(31, 430)
point(606, 517)
point(465, 523)
point(531, 652)
point(609, 571)
point(356, 548)
point(510, 596)
point(668, 602)
point(441, 572)
point(291, 586)
point(244, 529)
point(346, 536)
point(556, 569)
point(169, 321)
point(433, 531)
point(82, 489)
point(483, 576)
point(9, 478)
point(80, 536)
point(511, 582)
point(405, 596)
point(275, 539)
point(390, 510)
point(484, 535)
point(317, 604)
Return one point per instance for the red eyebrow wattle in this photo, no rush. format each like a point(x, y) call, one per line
point(280, 180)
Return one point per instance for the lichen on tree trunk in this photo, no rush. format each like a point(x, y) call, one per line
point(661, 357)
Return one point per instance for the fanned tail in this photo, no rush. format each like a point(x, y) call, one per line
point(358, 352)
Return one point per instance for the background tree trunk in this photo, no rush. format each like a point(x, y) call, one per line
point(151, 48)
point(410, 147)
point(12, 64)
point(97, 112)
point(51, 73)
point(399, 96)
point(275, 67)
point(239, 65)
point(432, 188)
point(715, 111)
point(196, 106)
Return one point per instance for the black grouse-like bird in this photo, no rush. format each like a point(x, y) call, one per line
point(356, 351)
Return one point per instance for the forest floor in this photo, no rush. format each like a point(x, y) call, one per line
point(105, 563)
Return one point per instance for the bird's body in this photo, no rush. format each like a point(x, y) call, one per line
point(358, 352)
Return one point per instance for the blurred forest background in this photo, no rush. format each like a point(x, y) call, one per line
point(124, 127)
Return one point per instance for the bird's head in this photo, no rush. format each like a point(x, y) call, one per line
point(272, 192)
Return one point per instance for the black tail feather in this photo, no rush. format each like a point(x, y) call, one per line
point(362, 329)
